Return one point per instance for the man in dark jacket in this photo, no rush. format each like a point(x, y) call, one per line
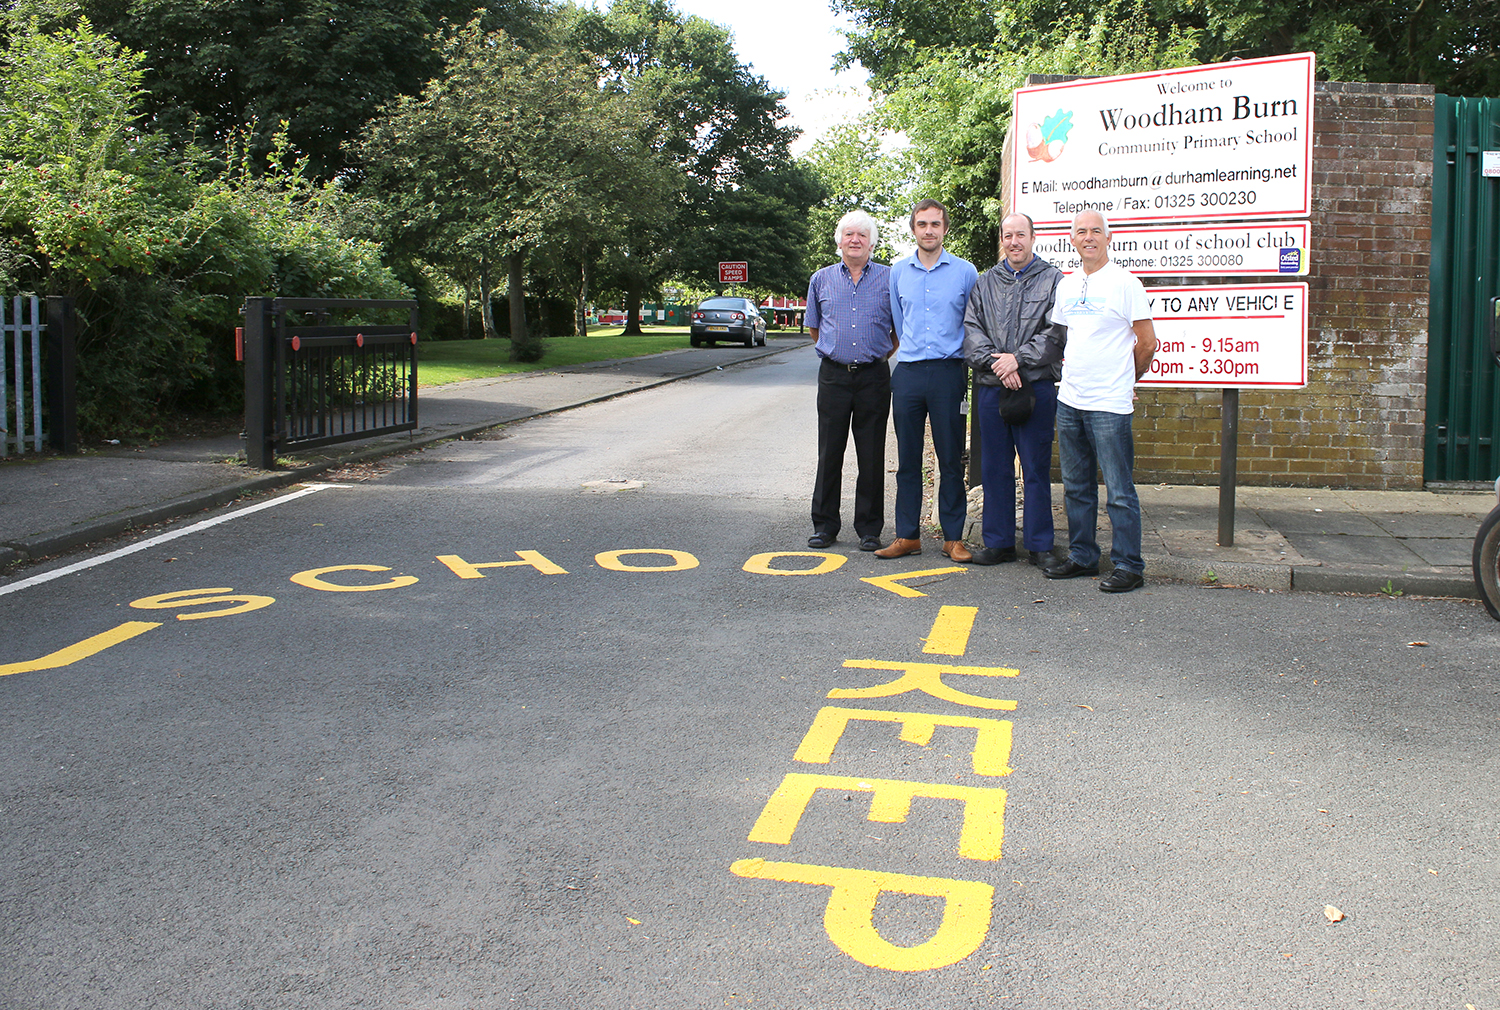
point(1012, 345)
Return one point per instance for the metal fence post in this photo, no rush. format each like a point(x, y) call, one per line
point(260, 449)
point(62, 384)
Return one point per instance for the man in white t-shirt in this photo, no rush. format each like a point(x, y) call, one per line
point(1110, 343)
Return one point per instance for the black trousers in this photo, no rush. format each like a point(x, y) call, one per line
point(857, 402)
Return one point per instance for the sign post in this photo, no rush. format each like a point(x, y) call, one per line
point(1229, 336)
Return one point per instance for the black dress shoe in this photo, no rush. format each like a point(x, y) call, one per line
point(993, 555)
point(1067, 568)
point(1121, 581)
point(1042, 559)
point(869, 543)
point(820, 540)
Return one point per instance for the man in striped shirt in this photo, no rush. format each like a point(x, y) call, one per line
point(849, 318)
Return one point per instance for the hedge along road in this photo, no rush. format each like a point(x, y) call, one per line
point(472, 734)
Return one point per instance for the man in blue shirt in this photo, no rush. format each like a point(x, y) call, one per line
point(929, 291)
point(849, 317)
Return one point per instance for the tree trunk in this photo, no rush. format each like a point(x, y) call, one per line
point(468, 297)
point(633, 309)
point(543, 316)
point(581, 313)
point(517, 298)
point(486, 304)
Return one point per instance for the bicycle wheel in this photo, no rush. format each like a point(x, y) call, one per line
point(1487, 562)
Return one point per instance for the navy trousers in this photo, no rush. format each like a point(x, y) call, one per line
point(921, 390)
point(1001, 443)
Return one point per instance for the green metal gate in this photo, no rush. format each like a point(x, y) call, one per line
point(1463, 410)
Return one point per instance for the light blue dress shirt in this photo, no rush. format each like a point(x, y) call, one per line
point(928, 306)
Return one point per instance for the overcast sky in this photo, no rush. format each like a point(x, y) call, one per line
point(791, 43)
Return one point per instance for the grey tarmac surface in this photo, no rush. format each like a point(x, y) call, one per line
point(528, 789)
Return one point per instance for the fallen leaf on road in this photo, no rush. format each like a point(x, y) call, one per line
point(633, 922)
point(1334, 915)
point(1089, 707)
point(1416, 645)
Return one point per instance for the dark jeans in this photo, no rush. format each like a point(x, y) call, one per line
point(1000, 444)
point(1087, 439)
point(856, 402)
point(919, 390)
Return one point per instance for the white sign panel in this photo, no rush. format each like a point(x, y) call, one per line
point(1248, 336)
point(1268, 249)
point(1489, 164)
point(1224, 141)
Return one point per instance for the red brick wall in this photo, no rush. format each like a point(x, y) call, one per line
point(1359, 422)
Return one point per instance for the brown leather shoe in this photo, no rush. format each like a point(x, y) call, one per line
point(900, 548)
point(956, 550)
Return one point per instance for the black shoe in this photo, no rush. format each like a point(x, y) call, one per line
point(1121, 581)
point(1067, 568)
point(871, 543)
point(820, 540)
point(1042, 559)
point(993, 555)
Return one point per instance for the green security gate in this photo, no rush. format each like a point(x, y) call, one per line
point(1463, 408)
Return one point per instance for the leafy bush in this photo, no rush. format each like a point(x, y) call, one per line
point(156, 247)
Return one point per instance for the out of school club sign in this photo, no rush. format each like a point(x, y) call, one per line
point(1218, 142)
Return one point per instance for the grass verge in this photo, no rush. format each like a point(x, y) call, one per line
point(445, 361)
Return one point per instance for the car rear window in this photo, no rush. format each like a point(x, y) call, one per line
point(723, 303)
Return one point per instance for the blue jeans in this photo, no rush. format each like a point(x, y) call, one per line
point(1086, 440)
point(921, 390)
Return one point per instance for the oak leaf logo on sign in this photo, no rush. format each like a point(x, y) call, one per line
point(1046, 142)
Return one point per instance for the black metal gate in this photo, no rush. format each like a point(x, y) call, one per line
point(320, 371)
point(1463, 408)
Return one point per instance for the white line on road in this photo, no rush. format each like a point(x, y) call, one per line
point(144, 544)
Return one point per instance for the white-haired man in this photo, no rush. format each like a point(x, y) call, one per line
point(849, 318)
point(1110, 343)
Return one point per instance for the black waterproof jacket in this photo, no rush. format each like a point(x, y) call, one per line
point(1013, 315)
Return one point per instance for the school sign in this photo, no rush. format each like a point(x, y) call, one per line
point(1219, 142)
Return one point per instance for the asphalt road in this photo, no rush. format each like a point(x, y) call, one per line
point(559, 745)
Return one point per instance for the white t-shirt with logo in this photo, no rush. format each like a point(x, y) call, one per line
point(1099, 361)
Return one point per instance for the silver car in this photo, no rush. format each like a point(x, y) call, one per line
point(728, 319)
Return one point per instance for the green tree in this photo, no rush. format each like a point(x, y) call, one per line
point(765, 222)
point(500, 154)
point(322, 66)
point(856, 173)
point(704, 112)
point(1453, 45)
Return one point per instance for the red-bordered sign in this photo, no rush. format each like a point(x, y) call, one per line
point(1218, 142)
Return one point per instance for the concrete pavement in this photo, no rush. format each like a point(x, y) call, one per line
point(1410, 542)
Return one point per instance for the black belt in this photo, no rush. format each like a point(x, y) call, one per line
point(851, 366)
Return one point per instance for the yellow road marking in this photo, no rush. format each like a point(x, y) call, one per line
point(82, 650)
point(849, 917)
point(892, 583)
point(681, 561)
point(928, 679)
point(468, 570)
point(185, 598)
point(950, 632)
point(312, 579)
point(760, 564)
point(890, 802)
point(991, 743)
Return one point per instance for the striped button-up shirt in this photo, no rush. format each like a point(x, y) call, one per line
point(853, 320)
